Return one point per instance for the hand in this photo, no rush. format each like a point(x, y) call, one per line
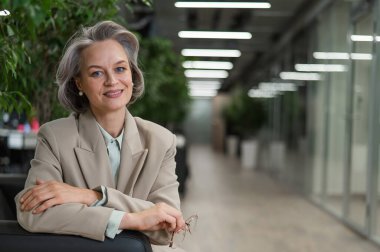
point(160, 216)
point(46, 194)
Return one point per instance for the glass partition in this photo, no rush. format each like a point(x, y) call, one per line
point(361, 76)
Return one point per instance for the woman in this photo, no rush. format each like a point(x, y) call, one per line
point(100, 170)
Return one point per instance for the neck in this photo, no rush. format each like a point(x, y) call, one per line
point(112, 122)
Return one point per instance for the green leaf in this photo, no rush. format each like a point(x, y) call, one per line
point(10, 31)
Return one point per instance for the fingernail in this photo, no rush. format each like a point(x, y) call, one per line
point(22, 200)
point(34, 211)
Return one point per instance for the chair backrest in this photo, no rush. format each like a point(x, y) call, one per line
point(11, 233)
point(14, 239)
point(10, 185)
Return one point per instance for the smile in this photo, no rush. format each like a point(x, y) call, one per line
point(113, 93)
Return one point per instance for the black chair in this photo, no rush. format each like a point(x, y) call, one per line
point(14, 238)
point(182, 168)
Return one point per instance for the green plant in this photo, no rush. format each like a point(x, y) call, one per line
point(244, 115)
point(166, 97)
point(32, 38)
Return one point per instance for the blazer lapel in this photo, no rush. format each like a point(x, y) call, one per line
point(133, 156)
point(92, 153)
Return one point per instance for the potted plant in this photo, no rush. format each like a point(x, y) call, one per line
point(246, 116)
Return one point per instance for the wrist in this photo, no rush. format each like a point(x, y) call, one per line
point(129, 221)
point(90, 196)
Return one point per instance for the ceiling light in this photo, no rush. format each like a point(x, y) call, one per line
point(364, 38)
point(320, 68)
point(203, 93)
point(342, 56)
point(361, 56)
point(215, 35)
point(257, 93)
point(330, 55)
point(4, 13)
point(232, 5)
point(211, 53)
point(215, 74)
point(361, 38)
point(208, 65)
point(204, 82)
point(204, 87)
point(277, 86)
point(300, 76)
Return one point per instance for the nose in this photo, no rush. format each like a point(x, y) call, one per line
point(111, 79)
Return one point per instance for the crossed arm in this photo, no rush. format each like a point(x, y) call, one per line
point(50, 205)
point(46, 194)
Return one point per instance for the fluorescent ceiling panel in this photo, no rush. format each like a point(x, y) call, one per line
point(204, 87)
point(277, 86)
point(224, 65)
point(203, 93)
point(320, 68)
point(204, 82)
point(214, 35)
point(214, 74)
point(4, 13)
point(342, 56)
point(364, 38)
point(300, 76)
point(257, 93)
point(230, 5)
point(210, 53)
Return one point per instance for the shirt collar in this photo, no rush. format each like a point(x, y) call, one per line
point(108, 138)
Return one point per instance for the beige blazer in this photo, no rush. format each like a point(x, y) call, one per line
point(72, 150)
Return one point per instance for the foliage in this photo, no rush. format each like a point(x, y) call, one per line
point(245, 115)
point(32, 39)
point(166, 96)
point(31, 42)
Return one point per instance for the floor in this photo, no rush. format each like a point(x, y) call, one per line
point(248, 211)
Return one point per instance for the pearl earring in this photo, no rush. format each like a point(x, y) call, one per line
point(80, 93)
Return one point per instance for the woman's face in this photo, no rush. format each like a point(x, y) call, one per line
point(105, 76)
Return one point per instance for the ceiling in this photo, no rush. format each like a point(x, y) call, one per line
point(270, 29)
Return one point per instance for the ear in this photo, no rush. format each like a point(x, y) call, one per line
point(78, 83)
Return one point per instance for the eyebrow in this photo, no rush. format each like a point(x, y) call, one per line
point(117, 63)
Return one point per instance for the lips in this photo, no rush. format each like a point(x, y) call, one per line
point(113, 93)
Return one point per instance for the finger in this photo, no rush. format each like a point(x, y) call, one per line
point(25, 196)
point(171, 223)
point(180, 224)
point(45, 205)
point(36, 199)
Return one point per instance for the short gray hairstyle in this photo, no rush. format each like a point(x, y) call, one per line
point(69, 66)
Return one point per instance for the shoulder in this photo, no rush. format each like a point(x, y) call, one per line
point(151, 131)
point(63, 127)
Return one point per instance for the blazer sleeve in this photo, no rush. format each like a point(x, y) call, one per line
point(71, 218)
point(164, 189)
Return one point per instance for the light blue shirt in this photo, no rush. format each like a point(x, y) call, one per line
point(113, 150)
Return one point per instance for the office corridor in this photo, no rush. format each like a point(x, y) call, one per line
point(248, 211)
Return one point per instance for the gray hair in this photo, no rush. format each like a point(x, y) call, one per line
point(69, 66)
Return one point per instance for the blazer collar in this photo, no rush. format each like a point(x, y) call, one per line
point(90, 134)
point(92, 154)
point(131, 134)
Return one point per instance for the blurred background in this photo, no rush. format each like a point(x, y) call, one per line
point(274, 103)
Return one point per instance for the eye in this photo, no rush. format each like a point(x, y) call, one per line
point(96, 74)
point(120, 69)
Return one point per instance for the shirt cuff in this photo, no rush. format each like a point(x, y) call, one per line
point(114, 223)
point(104, 198)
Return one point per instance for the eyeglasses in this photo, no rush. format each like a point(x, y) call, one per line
point(177, 238)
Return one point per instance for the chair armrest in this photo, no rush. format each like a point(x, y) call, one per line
point(14, 238)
